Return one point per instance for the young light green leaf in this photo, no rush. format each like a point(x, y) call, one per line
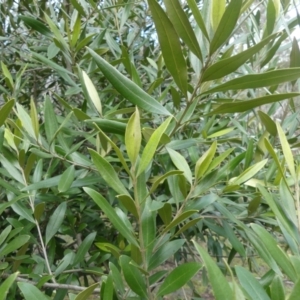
point(217, 10)
point(6, 284)
point(229, 65)
point(87, 292)
point(205, 160)
point(127, 88)
point(170, 46)
point(288, 155)
point(7, 75)
point(249, 173)
point(55, 221)
point(151, 146)
point(133, 137)
point(254, 81)
point(112, 215)
point(178, 278)
point(182, 26)
point(83, 248)
point(181, 164)
point(198, 17)
point(164, 252)
point(133, 277)
point(219, 283)
point(5, 111)
point(91, 92)
point(252, 287)
point(31, 292)
point(108, 173)
point(226, 25)
point(66, 179)
point(241, 106)
point(26, 121)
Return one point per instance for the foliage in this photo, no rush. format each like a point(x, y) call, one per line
point(148, 147)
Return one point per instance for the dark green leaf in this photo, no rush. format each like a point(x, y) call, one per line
point(36, 25)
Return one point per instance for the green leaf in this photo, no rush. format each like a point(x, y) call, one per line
point(229, 65)
point(133, 137)
point(112, 215)
point(277, 289)
point(15, 244)
point(182, 26)
point(83, 248)
point(252, 287)
point(55, 221)
point(148, 230)
point(151, 146)
point(295, 292)
point(34, 118)
point(108, 173)
point(236, 244)
point(178, 278)
point(66, 179)
point(198, 17)
point(161, 179)
point(91, 92)
point(5, 111)
point(217, 11)
point(287, 152)
point(30, 292)
point(6, 284)
point(109, 126)
point(129, 204)
point(164, 252)
point(226, 25)
point(241, 106)
point(87, 292)
point(5, 232)
point(133, 277)
point(249, 173)
point(275, 251)
point(179, 219)
point(181, 164)
point(254, 81)
point(51, 124)
point(9, 80)
point(127, 88)
point(220, 286)
point(36, 25)
point(170, 46)
point(268, 122)
point(205, 160)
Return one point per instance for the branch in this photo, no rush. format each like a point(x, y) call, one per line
point(54, 285)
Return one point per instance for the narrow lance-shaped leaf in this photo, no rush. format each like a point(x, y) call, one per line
point(66, 179)
point(217, 10)
point(178, 278)
point(254, 81)
point(219, 283)
point(133, 277)
point(36, 25)
point(34, 118)
point(31, 292)
point(133, 136)
point(288, 155)
point(112, 215)
point(5, 111)
point(91, 92)
point(229, 65)
point(226, 25)
point(127, 88)
point(108, 173)
point(251, 285)
point(170, 45)
point(181, 164)
point(198, 17)
point(241, 106)
point(268, 122)
point(6, 284)
point(182, 26)
point(55, 221)
point(152, 145)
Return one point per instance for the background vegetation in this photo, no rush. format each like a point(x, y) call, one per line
point(149, 149)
